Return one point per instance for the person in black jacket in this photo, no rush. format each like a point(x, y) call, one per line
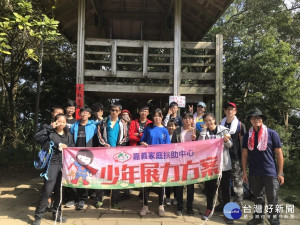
point(59, 135)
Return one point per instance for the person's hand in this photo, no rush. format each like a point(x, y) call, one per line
point(136, 134)
point(55, 124)
point(191, 108)
point(63, 146)
point(193, 134)
point(106, 145)
point(226, 137)
point(203, 125)
point(144, 144)
point(245, 178)
point(170, 112)
point(280, 179)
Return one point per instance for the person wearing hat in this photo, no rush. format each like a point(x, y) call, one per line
point(261, 145)
point(236, 130)
point(198, 115)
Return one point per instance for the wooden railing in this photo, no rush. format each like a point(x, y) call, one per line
point(149, 61)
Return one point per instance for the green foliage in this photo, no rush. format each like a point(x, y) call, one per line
point(23, 28)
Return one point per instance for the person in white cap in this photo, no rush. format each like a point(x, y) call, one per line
point(198, 115)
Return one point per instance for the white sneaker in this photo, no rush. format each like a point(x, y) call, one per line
point(168, 201)
point(144, 210)
point(161, 210)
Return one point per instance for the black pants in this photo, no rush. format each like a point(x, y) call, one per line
point(78, 194)
point(168, 191)
point(159, 190)
point(52, 184)
point(211, 188)
point(261, 186)
point(190, 197)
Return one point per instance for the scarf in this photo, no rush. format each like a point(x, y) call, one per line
point(233, 126)
point(262, 138)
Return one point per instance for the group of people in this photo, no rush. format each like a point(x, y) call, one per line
point(260, 146)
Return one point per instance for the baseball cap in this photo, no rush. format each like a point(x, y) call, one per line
point(201, 104)
point(230, 104)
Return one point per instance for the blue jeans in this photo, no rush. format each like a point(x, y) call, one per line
point(262, 186)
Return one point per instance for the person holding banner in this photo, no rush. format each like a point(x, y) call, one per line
point(184, 134)
point(84, 132)
point(113, 132)
point(58, 133)
point(155, 134)
point(211, 131)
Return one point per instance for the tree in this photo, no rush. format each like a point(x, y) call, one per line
point(22, 28)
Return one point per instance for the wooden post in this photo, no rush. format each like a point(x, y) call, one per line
point(114, 58)
point(145, 58)
point(80, 55)
point(177, 47)
point(219, 78)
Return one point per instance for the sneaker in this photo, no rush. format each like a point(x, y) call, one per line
point(190, 212)
point(168, 201)
point(206, 215)
point(98, 204)
point(255, 221)
point(174, 202)
point(37, 221)
point(161, 210)
point(70, 204)
point(219, 208)
point(178, 213)
point(59, 218)
point(80, 205)
point(228, 221)
point(144, 210)
point(116, 205)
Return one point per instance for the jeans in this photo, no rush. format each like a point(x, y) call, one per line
point(262, 186)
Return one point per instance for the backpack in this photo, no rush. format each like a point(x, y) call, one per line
point(43, 159)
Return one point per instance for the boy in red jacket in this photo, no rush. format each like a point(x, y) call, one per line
point(137, 126)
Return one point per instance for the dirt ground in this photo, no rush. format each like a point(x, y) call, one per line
point(19, 193)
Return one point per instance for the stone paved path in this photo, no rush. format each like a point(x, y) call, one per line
point(17, 205)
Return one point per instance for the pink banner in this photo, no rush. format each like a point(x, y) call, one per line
point(137, 166)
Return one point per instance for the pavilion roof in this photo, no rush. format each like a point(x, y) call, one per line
point(138, 19)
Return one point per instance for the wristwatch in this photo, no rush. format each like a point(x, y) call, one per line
point(281, 174)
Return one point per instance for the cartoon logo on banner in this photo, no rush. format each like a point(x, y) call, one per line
point(122, 157)
point(84, 158)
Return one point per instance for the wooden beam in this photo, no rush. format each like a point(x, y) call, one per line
point(197, 90)
point(177, 46)
point(122, 88)
point(219, 78)
point(114, 58)
point(145, 58)
point(80, 42)
point(132, 16)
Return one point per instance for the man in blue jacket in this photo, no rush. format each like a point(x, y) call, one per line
point(84, 132)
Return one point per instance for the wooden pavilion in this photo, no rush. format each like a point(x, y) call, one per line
point(145, 48)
